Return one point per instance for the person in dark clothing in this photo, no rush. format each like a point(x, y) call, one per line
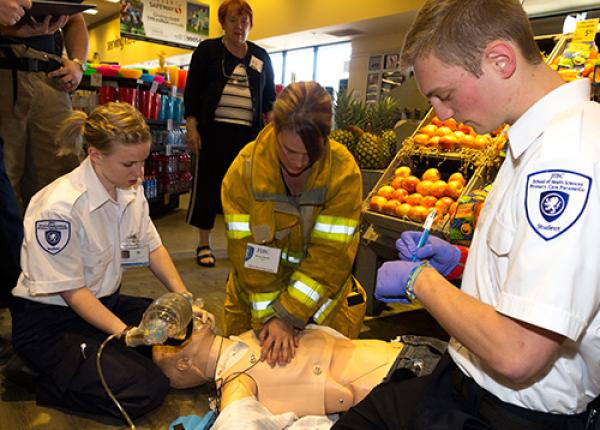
point(40, 64)
point(229, 89)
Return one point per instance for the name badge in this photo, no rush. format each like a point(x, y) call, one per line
point(256, 64)
point(134, 254)
point(263, 258)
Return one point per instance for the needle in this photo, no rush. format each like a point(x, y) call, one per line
point(426, 229)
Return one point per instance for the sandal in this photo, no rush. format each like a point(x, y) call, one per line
point(205, 256)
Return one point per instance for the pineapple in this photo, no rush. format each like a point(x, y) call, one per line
point(380, 140)
point(348, 112)
point(345, 137)
point(389, 139)
point(375, 147)
point(370, 151)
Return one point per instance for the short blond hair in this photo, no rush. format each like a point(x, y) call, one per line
point(102, 128)
point(457, 32)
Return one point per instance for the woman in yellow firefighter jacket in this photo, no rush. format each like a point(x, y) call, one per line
point(292, 202)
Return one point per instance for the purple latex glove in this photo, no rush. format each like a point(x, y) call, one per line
point(392, 279)
point(442, 255)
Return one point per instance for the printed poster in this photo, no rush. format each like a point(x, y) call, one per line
point(178, 23)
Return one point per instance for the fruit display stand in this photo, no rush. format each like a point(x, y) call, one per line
point(450, 170)
point(576, 57)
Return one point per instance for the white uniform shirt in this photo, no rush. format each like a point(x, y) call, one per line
point(73, 235)
point(535, 256)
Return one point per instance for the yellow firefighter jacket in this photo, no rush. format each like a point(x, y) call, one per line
point(316, 232)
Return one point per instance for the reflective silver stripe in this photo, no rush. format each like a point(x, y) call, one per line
point(261, 306)
point(293, 259)
point(238, 226)
point(322, 309)
point(336, 229)
point(306, 290)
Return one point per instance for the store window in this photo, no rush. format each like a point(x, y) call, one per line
point(299, 65)
point(327, 64)
point(332, 64)
point(277, 61)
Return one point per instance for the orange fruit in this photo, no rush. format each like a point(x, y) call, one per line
point(400, 194)
point(424, 187)
point(385, 191)
point(421, 138)
point(413, 199)
point(431, 174)
point(429, 201)
point(443, 130)
point(390, 206)
point(377, 202)
point(410, 183)
point(402, 171)
point(457, 176)
point(448, 142)
point(429, 129)
point(402, 209)
point(439, 189)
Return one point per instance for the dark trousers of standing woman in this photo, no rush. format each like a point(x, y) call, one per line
point(446, 400)
point(221, 143)
point(11, 235)
point(63, 347)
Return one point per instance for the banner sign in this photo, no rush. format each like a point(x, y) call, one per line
point(179, 23)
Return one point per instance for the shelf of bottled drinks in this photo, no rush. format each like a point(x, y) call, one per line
point(167, 171)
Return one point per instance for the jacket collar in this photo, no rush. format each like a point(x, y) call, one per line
point(539, 116)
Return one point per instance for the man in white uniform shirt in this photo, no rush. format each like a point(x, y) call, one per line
point(525, 328)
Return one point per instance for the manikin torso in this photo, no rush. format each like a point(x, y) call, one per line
point(328, 374)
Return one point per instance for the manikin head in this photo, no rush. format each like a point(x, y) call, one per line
point(192, 363)
point(469, 70)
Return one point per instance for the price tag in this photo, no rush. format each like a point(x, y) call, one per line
point(154, 87)
point(96, 80)
point(585, 31)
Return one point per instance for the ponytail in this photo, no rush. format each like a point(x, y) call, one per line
point(102, 128)
point(70, 135)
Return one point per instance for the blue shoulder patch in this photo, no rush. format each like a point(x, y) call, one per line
point(52, 235)
point(554, 200)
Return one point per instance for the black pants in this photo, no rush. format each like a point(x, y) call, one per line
point(11, 235)
point(62, 346)
point(221, 143)
point(446, 400)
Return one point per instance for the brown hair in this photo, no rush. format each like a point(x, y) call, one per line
point(457, 32)
point(102, 128)
point(305, 109)
point(241, 6)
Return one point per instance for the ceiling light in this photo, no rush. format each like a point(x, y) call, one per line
point(93, 11)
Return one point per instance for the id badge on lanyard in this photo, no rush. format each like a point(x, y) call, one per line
point(134, 253)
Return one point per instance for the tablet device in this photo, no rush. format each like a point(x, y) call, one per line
point(41, 8)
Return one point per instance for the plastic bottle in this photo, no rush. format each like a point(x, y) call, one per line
point(168, 316)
